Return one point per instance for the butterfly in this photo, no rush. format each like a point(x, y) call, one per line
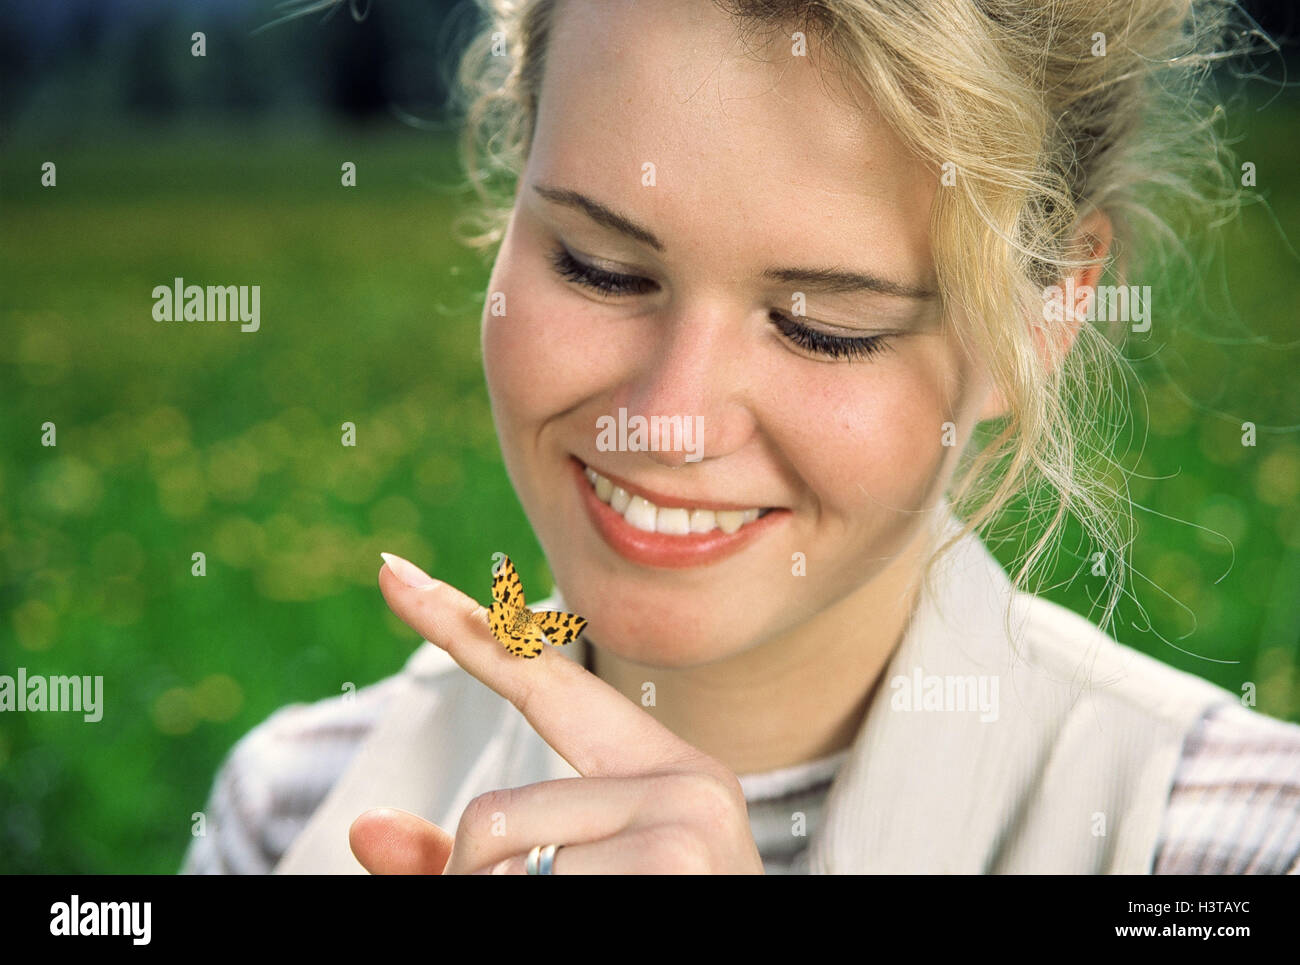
point(521, 630)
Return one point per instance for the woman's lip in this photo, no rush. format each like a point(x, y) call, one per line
point(661, 549)
point(663, 500)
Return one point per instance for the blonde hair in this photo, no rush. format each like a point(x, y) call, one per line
point(1047, 109)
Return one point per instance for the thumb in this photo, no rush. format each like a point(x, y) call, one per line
point(389, 841)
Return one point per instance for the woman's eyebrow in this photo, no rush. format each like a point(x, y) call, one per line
point(830, 281)
point(599, 214)
point(838, 281)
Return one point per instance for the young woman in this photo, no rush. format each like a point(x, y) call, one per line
point(848, 245)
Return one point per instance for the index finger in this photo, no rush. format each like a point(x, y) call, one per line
point(589, 723)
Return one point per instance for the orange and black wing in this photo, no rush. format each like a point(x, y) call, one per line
point(559, 627)
point(506, 586)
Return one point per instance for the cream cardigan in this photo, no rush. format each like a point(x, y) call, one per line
point(1070, 773)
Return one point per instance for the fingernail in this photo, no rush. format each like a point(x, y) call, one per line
point(408, 572)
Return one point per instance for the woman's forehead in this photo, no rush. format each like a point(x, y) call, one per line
point(731, 124)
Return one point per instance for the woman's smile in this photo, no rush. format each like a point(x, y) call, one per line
point(659, 529)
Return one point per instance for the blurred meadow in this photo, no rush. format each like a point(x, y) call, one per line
point(175, 438)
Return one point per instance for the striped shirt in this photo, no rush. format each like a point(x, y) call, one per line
point(1234, 806)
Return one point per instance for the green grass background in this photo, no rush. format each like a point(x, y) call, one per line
point(175, 438)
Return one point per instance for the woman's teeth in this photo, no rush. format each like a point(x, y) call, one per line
point(671, 520)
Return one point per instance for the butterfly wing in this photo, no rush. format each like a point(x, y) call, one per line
point(501, 621)
point(559, 627)
point(506, 586)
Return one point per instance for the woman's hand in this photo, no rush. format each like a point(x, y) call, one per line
point(646, 801)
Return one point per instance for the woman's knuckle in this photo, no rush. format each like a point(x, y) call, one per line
point(708, 798)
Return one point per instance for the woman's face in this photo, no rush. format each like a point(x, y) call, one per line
point(739, 183)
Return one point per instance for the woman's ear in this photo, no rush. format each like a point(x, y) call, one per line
point(1054, 339)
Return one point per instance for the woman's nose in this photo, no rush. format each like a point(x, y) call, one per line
point(690, 392)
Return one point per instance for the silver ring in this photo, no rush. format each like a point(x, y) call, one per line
point(541, 860)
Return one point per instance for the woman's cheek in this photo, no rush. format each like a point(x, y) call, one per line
point(529, 345)
point(505, 358)
point(901, 450)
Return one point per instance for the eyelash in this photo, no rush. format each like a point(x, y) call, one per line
point(811, 340)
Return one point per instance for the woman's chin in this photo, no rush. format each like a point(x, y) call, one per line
point(660, 643)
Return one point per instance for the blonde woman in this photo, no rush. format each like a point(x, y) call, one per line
point(845, 246)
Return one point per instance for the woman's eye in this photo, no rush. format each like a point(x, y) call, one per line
point(808, 339)
point(597, 279)
point(830, 346)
